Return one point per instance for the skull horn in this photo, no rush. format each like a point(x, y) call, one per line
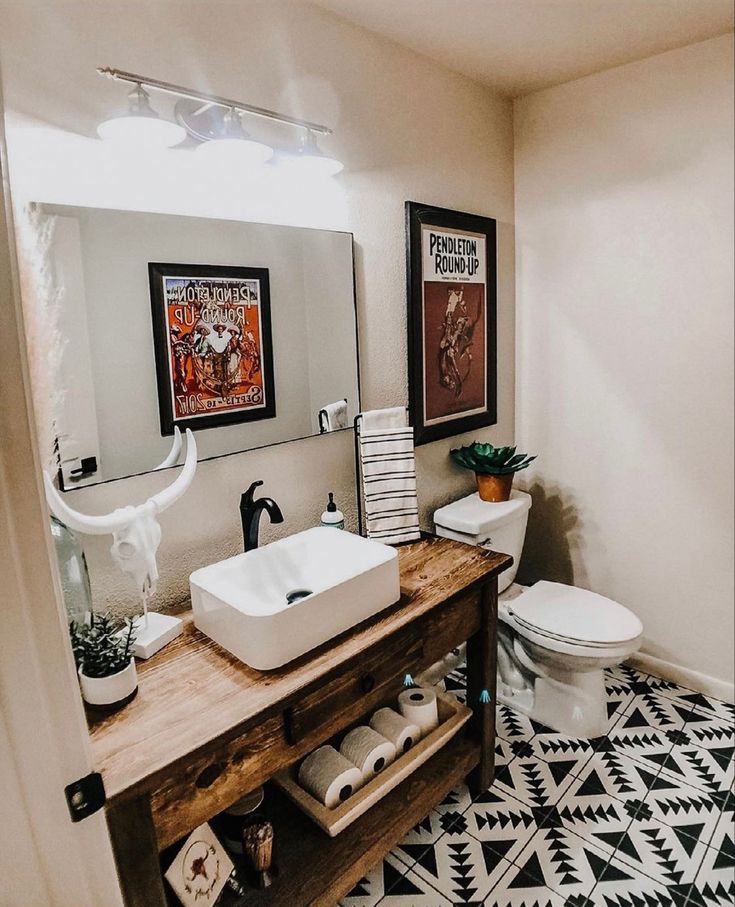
point(166, 498)
point(80, 522)
point(173, 455)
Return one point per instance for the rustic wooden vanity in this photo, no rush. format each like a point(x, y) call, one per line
point(206, 729)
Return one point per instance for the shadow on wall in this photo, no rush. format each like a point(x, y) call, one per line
point(551, 537)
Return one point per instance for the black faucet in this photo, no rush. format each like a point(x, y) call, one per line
point(250, 511)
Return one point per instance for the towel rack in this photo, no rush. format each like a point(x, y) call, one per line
point(357, 422)
point(322, 419)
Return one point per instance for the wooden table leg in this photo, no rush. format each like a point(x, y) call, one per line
point(135, 848)
point(481, 685)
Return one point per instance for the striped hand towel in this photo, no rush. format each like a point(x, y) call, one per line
point(388, 472)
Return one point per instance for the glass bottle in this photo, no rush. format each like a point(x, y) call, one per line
point(73, 572)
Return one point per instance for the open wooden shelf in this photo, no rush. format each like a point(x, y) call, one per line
point(314, 869)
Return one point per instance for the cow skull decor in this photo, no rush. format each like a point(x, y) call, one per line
point(136, 535)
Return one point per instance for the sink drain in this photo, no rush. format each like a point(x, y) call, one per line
point(296, 595)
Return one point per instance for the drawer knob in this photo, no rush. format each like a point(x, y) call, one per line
point(367, 683)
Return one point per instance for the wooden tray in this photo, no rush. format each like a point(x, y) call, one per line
point(452, 716)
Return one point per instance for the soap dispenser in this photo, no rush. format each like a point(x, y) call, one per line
point(331, 516)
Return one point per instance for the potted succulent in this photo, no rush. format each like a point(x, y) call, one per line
point(102, 651)
point(494, 468)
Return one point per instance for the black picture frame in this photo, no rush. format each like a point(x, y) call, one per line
point(157, 271)
point(426, 430)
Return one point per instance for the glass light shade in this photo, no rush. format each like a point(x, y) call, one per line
point(241, 152)
point(314, 164)
point(311, 160)
point(141, 132)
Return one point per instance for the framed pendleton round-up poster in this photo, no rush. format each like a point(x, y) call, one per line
point(213, 346)
point(452, 289)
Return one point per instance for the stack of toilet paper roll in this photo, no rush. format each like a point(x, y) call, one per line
point(333, 776)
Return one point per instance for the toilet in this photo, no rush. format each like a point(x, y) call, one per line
point(554, 640)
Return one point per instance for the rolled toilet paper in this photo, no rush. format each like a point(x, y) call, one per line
point(401, 732)
point(329, 776)
point(419, 706)
point(368, 750)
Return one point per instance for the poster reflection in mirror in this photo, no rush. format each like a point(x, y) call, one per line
point(213, 345)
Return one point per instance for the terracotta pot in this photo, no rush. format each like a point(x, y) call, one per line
point(494, 488)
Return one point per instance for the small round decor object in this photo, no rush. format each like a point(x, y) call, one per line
point(247, 804)
point(232, 821)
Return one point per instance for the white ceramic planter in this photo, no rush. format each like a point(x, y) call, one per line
point(109, 691)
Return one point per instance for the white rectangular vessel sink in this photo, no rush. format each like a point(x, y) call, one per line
point(272, 604)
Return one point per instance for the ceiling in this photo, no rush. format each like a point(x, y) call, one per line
point(519, 46)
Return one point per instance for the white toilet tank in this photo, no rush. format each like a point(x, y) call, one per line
point(501, 527)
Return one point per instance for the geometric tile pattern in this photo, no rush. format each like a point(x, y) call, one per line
point(641, 817)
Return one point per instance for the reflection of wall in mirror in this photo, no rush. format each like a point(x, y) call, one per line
point(326, 328)
point(315, 359)
point(78, 436)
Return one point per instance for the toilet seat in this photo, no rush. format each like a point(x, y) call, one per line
point(574, 621)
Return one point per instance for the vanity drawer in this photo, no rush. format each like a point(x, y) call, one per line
point(356, 688)
point(210, 782)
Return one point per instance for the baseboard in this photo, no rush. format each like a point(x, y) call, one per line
point(693, 680)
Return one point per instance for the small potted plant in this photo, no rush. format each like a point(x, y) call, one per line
point(102, 651)
point(494, 468)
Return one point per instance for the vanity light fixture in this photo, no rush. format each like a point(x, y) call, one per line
point(141, 126)
point(235, 145)
point(228, 140)
point(311, 159)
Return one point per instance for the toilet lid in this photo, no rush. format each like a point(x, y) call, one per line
point(569, 613)
point(474, 517)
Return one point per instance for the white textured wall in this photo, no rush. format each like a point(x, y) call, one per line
point(405, 128)
point(624, 213)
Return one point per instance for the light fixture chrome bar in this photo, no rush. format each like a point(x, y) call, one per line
point(157, 85)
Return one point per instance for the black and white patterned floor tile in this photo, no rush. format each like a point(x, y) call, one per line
point(708, 770)
point(550, 746)
point(602, 800)
point(515, 889)
point(392, 882)
point(462, 869)
point(680, 806)
point(723, 840)
point(646, 731)
point(641, 817)
point(506, 825)
point(513, 726)
point(536, 783)
point(447, 818)
point(715, 881)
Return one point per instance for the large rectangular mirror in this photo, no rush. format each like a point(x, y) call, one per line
point(246, 333)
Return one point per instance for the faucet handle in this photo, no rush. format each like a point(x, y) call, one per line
point(247, 498)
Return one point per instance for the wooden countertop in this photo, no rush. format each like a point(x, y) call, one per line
point(193, 691)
